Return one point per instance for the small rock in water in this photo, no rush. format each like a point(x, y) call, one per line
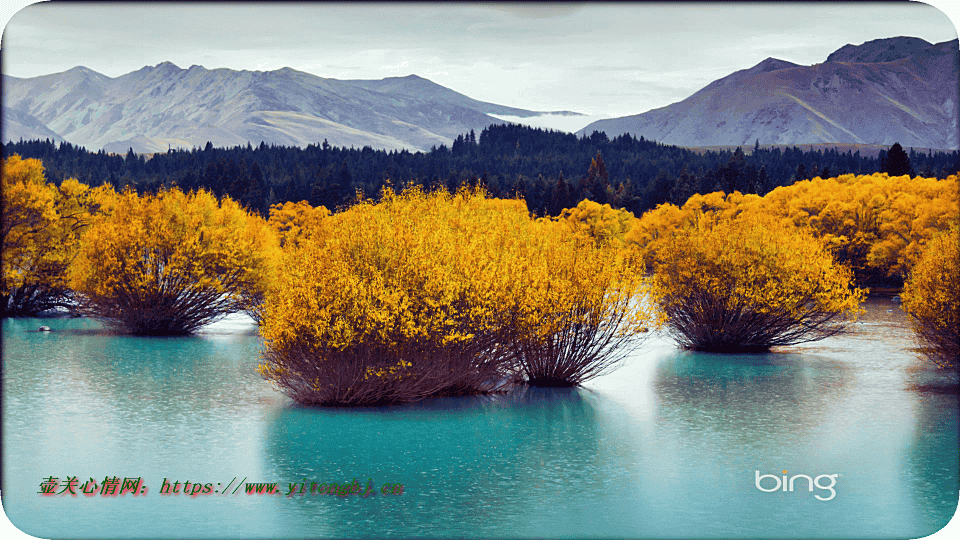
point(44, 329)
point(896, 299)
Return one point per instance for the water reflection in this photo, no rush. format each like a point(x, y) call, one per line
point(666, 446)
point(931, 462)
point(742, 399)
point(87, 402)
point(480, 464)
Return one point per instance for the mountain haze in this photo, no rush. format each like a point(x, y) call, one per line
point(884, 91)
point(164, 106)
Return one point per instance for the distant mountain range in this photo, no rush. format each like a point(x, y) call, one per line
point(164, 106)
point(899, 89)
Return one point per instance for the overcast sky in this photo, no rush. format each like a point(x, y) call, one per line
point(602, 59)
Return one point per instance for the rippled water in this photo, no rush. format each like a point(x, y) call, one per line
point(669, 445)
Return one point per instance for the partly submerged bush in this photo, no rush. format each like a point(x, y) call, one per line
point(173, 262)
point(584, 311)
point(931, 296)
point(41, 227)
point(730, 285)
point(427, 294)
point(391, 302)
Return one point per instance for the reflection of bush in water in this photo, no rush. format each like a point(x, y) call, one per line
point(933, 459)
point(935, 454)
point(159, 375)
point(462, 460)
point(749, 397)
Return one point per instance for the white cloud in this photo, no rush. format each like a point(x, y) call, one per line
point(556, 122)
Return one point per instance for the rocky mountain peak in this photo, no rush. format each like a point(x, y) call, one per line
point(864, 94)
point(880, 50)
point(167, 66)
point(772, 64)
point(766, 66)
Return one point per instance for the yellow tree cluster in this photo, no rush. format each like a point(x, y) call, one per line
point(931, 296)
point(876, 224)
point(748, 283)
point(172, 262)
point(426, 294)
point(658, 227)
point(597, 222)
point(293, 222)
point(41, 228)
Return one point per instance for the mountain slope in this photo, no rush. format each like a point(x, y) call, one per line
point(415, 86)
point(911, 99)
point(880, 50)
point(27, 127)
point(164, 105)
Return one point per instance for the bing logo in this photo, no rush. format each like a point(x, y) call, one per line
point(824, 482)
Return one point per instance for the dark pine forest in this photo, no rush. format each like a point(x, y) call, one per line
point(551, 170)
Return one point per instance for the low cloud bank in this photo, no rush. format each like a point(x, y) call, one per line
point(558, 122)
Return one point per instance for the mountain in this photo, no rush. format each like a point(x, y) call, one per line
point(163, 106)
point(884, 91)
point(26, 126)
point(880, 50)
point(418, 87)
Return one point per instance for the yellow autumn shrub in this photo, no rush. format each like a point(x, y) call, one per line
point(41, 228)
point(295, 221)
point(749, 283)
point(172, 262)
point(597, 222)
point(390, 302)
point(931, 296)
point(875, 223)
point(584, 308)
point(420, 294)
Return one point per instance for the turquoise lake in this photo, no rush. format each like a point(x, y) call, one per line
point(670, 445)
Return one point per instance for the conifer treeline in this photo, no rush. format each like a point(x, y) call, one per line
point(551, 170)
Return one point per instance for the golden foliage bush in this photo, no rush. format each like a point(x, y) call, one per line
point(875, 223)
point(173, 262)
point(41, 228)
point(389, 302)
point(931, 296)
point(597, 222)
point(583, 304)
point(420, 294)
point(295, 221)
point(749, 283)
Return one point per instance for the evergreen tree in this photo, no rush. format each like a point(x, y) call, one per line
point(256, 190)
point(801, 173)
point(594, 185)
point(897, 162)
point(559, 196)
point(682, 189)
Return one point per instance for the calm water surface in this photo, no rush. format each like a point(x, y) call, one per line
point(666, 446)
